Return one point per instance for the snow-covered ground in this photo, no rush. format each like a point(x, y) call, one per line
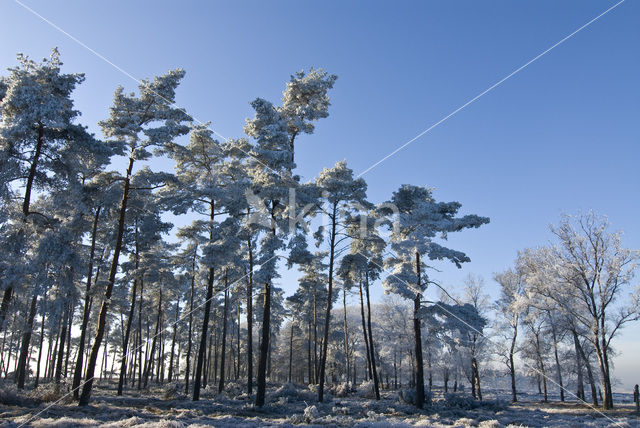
point(289, 405)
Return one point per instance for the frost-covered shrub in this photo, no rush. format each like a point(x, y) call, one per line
point(408, 396)
point(341, 390)
point(311, 413)
point(467, 402)
point(290, 392)
point(489, 424)
point(234, 388)
point(366, 390)
point(460, 401)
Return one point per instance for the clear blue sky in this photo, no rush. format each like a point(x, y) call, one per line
point(560, 136)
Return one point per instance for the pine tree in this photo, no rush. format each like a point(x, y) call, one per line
point(417, 220)
point(138, 123)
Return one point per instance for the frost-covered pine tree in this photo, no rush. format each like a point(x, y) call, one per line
point(342, 197)
point(136, 123)
point(210, 181)
point(42, 148)
point(363, 265)
point(418, 220)
point(304, 101)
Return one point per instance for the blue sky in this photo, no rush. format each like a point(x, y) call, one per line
point(560, 136)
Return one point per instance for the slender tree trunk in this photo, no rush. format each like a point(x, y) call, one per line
point(327, 321)
point(587, 364)
point(580, 380)
point(364, 333)
point(290, 350)
point(237, 377)
point(224, 330)
point(52, 353)
point(316, 367)
point(63, 338)
point(476, 377)
point(419, 370)
point(197, 382)
point(26, 340)
point(69, 327)
point(4, 307)
point(264, 346)
point(346, 333)
point(512, 368)
point(127, 333)
point(608, 392)
point(173, 342)
point(140, 366)
point(189, 336)
point(44, 309)
point(250, 319)
point(557, 358)
point(309, 371)
point(102, 318)
point(149, 367)
point(374, 368)
point(261, 379)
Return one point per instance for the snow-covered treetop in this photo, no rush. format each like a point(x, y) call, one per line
point(149, 119)
point(305, 100)
point(37, 125)
point(418, 219)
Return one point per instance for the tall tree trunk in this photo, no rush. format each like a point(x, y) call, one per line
point(417, 336)
point(102, 318)
point(558, 369)
point(237, 376)
point(290, 349)
point(44, 310)
point(250, 319)
point(32, 170)
point(316, 367)
point(173, 341)
point(364, 333)
point(264, 346)
point(4, 306)
point(140, 366)
point(346, 333)
point(127, 333)
point(154, 340)
point(309, 371)
point(190, 334)
point(374, 368)
point(512, 368)
point(580, 380)
point(587, 364)
point(476, 377)
point(197, 381)
point(202, 349)
point(63, 338)
point(26, 340)
point(327, 320)
point(608, 393)
point(68, 351)
point(261, 379)
point(224, 330)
